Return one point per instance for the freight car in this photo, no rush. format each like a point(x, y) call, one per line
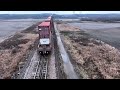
point(50, 19)
point(45, 36)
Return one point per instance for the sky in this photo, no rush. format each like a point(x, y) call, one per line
point(60, 12)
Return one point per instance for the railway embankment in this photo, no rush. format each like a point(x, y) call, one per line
point(91, 58)
point(14, 51)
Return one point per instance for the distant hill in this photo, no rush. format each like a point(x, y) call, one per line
point(23, 16)
point(91, 17)
point(94, 17)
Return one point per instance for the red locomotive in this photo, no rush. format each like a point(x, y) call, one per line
point(45, 36)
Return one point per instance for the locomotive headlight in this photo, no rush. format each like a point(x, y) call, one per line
point(39, 28)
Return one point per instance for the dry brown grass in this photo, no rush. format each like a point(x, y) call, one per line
point(67, 27)
point(9, 59)
point(99, 60)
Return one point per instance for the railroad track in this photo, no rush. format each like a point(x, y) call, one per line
point(37, 68)
point(42, 68)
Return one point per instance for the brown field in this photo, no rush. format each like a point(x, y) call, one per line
point(13, 50)
point(91, 58)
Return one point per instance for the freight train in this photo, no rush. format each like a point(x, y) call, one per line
point(45, 30)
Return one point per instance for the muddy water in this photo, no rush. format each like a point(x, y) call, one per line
point(95, 25)
point(107, 32)
point(10, 27)
point(68, 68)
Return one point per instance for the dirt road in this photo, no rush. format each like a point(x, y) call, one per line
point(67, 64)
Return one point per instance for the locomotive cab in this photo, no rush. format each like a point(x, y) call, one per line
point(44, 45)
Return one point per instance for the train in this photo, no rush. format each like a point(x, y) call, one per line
point(45, 30)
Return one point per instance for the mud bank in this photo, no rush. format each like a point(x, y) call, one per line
point(14, 49)
point(91, 58)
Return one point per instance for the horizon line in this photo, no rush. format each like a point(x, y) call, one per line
point(60, 14)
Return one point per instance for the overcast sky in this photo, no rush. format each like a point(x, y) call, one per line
point(59, 12)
